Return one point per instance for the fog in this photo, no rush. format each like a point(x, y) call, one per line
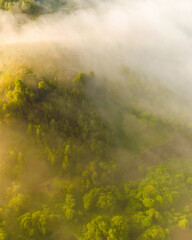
point(141, 49)
point(152, 37)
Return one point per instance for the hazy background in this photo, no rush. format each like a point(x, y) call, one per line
point(152, 38)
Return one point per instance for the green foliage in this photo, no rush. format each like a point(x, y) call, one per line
point(97, 229)
point(3, 235)
point(36, 225)
point(26, 6)
point(156, 233)
point(100, 229)
point(119, 228)
point(69, 207)
point(90, 198)
point(106, 201)
point(63, 174)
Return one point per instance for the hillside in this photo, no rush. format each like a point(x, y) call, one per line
point(95, 121)
point(69, 172)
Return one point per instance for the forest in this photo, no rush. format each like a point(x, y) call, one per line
point(82, 159)
point(35, 8)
